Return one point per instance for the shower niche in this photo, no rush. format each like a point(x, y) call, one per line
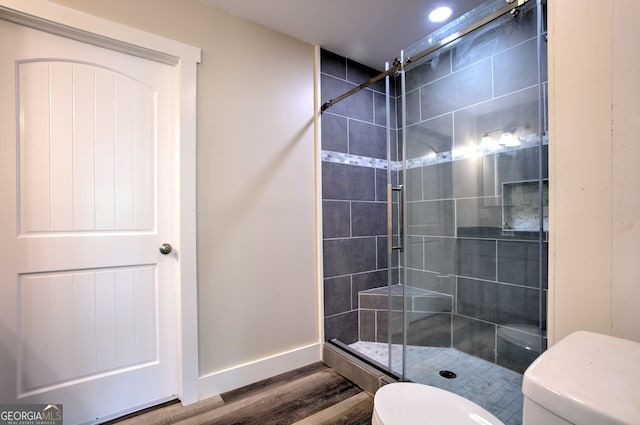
point(524, 204)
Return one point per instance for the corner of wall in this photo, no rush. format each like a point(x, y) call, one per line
point(580, 81)
point(625, 172)
point(552, 187)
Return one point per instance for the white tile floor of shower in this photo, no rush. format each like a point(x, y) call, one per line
point(495, 388)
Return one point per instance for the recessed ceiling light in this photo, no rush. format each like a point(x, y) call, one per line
point(440, 14)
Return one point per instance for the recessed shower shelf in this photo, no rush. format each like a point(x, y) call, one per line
point(521, 206)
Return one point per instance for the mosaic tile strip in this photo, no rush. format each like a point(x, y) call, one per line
point(453, 155)
point(362, 161)
point(472, 152)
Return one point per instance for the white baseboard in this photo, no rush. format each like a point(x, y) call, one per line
point(229, 379)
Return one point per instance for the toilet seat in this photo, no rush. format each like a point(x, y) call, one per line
point(407, 403)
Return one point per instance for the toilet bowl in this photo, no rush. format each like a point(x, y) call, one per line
point(407, 403)
point(584, 379)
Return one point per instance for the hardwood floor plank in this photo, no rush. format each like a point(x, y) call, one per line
point(360, 415)
point(170, 414)
point(258, 387)
point(304, 404)
point(266, 407)
point(312, 395)
point(356, 409)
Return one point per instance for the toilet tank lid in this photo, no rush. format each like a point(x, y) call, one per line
point(588, 378)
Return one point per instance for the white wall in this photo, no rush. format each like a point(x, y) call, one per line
point(257, 289)
point(594, 168)
point(626, 171)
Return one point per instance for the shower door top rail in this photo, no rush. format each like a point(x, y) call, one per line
point(512, 7)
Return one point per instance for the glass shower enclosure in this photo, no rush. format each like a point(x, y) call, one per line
point(464, 303)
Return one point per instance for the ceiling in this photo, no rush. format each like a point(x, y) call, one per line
point(371, 32)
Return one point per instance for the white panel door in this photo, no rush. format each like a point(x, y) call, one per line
point(87, 301)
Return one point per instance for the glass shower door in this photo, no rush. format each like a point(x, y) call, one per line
point(475, 200)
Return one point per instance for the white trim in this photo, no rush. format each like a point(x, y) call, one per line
point(42, 11)
point(62, 30)
point(249, 373)
point(188, 303)
point(84, 27)
point(317, 118)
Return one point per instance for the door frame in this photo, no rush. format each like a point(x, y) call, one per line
point(70, 23)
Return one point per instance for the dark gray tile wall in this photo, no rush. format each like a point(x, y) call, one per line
point(432, 218)
point(368, 140)
point(429, 329)
point(337, 295)
point(348, 182)
point(349, 256)
point(354, 208)
point(496, 302)
point(358, 106)
point(428, 316)
point(474, 337)
point(341, 326)
point(496, 37)
point(457, 245)
point(477, 258)
point(365, 281)
point(435, 135)
point(334, 133)
point(454, 91)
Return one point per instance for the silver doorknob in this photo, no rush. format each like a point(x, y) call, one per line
point(165, 248)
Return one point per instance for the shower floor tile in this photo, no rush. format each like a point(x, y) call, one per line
point(493, 387)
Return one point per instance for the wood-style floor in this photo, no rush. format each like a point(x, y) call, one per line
point(311, 395)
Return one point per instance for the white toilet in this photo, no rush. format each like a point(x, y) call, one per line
point(406, 403)
point(584, 379)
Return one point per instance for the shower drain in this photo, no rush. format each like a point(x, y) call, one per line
point(447, 374)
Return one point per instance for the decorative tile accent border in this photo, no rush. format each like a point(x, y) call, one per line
point(362, 161)
point(456, 154)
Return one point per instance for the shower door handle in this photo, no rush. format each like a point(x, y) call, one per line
point(400, 190)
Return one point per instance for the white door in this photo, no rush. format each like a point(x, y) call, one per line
point(87, 301)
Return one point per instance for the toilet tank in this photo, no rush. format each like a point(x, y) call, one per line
point(586, 378)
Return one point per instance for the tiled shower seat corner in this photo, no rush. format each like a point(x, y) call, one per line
point(428, 315)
